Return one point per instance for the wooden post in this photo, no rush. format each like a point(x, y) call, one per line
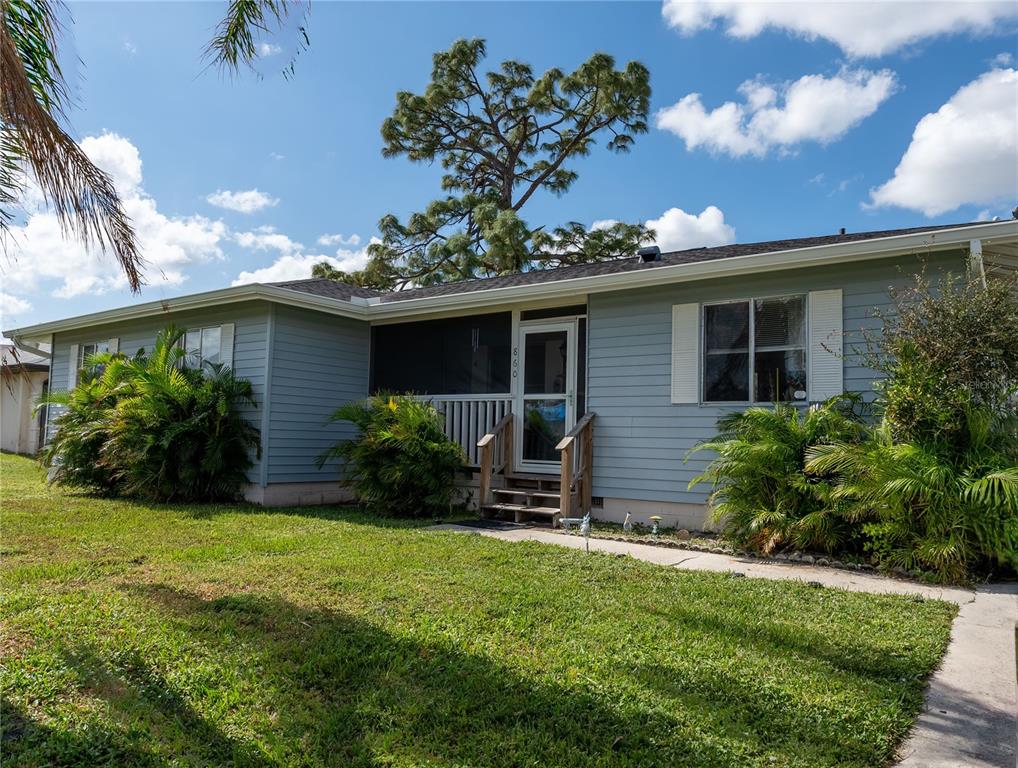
point(485, 484)
point(566, 476)
point(508, 458)
point(588, 466)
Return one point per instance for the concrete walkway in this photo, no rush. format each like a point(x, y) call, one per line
point(971, 711)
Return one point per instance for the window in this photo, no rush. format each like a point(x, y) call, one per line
point(755, 350)
point(86, 351)
point(461, 355)
point(203, 345)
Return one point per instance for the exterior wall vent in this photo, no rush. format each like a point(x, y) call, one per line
point(649, 254)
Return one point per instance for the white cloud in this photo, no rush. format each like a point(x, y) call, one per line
point(677, 230)
point(12, 305)
point(130, 48)
point(245, 201)
point(1004, 59)
point(858, 28)
point(45, 259)
point(964, 153)
point(276, 156)
point(269, 49)
point(296, 265)
point(813, 108)
point(339, 239)
point(267, 238)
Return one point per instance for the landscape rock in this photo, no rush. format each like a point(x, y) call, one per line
point(683, 535)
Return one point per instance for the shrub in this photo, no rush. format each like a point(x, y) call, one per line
point(75, 453)
point(760, 492)
point(401, 462)
point(147, 427)
point(943, 348)
point(949, 506)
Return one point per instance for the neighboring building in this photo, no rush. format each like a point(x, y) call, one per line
point(23, 378)
point(636, 358)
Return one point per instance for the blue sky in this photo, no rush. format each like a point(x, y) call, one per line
point(824, 107)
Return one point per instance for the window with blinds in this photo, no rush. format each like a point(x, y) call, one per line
point(755, 350)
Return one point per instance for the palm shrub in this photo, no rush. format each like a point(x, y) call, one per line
point(760, 492)
point(401, 462)
point(948, 506)
point(74, 455)
point(153, 429)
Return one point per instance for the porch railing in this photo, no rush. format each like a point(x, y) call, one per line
point(577, 452)
point(496, 455)
point(468, 418)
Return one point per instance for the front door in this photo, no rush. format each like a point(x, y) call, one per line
point(545, 398)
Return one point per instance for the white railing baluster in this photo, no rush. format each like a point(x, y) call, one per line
point(469, 417)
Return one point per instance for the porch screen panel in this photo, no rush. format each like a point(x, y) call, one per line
point(454, 356)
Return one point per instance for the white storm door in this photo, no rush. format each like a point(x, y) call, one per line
point(546, 393)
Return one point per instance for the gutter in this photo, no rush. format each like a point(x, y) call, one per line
point(836, 253)
point(370, 309)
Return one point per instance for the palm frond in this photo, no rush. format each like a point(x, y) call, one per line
point(235, 43)
point(82, 195)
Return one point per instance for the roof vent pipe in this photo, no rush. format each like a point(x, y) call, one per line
point(648, 254)
point(841, 231)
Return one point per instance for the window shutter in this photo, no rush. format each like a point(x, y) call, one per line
point(226, 344)
point(114, 345)
point(72, 368)
point(826, 374)
point(685, 353)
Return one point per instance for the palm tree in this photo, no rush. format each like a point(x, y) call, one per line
point(33, 120)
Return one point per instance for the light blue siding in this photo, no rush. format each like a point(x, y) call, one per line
point(640, 437)
point(319, 362)
point(249, 347)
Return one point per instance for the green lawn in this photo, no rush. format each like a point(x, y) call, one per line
point(165, 635)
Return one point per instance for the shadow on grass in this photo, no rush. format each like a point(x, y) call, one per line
point(25, 741)
point(349, 693)
point(347, 513)
point(851, 655)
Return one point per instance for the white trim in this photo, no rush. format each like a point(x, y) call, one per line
point(860, 250)
point(198, 301)
point(569, 325)
point(375, 309)
point(752, 347)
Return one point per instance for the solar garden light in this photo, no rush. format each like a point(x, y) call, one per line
point(656, 519)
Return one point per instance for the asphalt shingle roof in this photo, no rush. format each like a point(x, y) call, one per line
point(323, 286)
point(333, 289)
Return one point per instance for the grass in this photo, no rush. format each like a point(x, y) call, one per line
point(226, 635)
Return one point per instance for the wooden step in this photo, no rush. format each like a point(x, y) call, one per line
point(522, 512)
point(538, 476)
point(525, 492)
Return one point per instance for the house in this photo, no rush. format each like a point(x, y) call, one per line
point(24, 378)
point(573, 389)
